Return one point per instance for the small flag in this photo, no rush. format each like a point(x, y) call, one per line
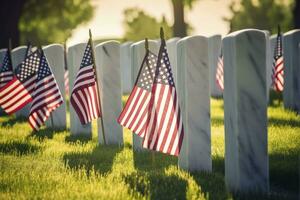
point(84, 96)
point(6, 70)
point(164, 130)
point(18, 92)
point(220, 73)
point(278, 65)
point(135, 113)
point(46, 96)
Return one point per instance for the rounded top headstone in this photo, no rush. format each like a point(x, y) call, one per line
point(53, 45)
point(291, 32)
point(19, 48)
point(109, 42)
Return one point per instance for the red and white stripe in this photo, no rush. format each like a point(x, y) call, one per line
point(66, 79)
point(5, 77)
point(15, 95)
point(135, 113)
point(164, 131)
point(278, 76)
point(220, 73)
point(46, 98)
point(84, 97)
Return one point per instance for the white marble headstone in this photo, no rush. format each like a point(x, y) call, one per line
point(2, 55)
point(55, 57)
point(172, 52)
point(245, 111)
point(125, 59)
point(17, 56)
point(214, 50)
point(137, 56)
point(107, 57)
point(269, 63)
point(291, 92)
point(194, 97)
point(74, 56)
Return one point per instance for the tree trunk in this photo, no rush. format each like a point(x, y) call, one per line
point(297, 14)
point(10, 12)
point(179, 27)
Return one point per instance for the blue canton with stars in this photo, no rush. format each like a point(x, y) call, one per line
point(146, 77)
point(278, 49)
point(163, 73)
point(44, 69)
point(6, 64)
point(87, 56)
point(28, 68)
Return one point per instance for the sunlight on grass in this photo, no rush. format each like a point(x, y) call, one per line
point(53, 164)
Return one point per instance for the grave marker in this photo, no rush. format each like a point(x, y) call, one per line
point(108, 71)
point(55, 57)
point(194, 97)
point(125, 58)
point(245, 111)
point(172, 52)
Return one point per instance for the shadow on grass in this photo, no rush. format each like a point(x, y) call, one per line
point(149, 160)
point(100, 159)
point(78, 138)
point(43, 134)
point(157, 185)
point(13, 120)
point(283, 122)
point(18, 148)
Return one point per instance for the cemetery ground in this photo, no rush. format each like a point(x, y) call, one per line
point(51, 164)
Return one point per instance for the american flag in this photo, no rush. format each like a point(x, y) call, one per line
point(135, 113)
point(6, 70)
point(84, 96)
point(278, 65)
point(164, 130)
point(18, 92)
point(220, 73)
point(46, 96)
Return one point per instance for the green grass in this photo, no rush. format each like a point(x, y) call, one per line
point(54, 165)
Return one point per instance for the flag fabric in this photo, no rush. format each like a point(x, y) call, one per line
point(46, 96)
point(278, 66)
point(66, 82)
point(164, 131)
point(220, 73)
point(18, 92)
point(6, 70)
point(135, 113)
point(84, 96)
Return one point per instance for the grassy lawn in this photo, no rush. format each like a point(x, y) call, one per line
point(54, 165)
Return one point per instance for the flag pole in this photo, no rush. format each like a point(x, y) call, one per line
point(100, 106)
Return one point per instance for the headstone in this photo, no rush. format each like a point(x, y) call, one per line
point(214, 50)
point(172, 52)
point(245, 111)
point(125, 60)
point(108, 71)
point(55, 57)
point(17, 56)
point(2, 55)
point(137, 56)
point(291, 92)
point(194, 98)
point(269, 63)
point(74, 56)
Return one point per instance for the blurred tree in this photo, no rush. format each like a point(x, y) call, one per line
point(180, 27)
point(41, 22)
point(52, 21)
point(139, 25)
point(261, 14)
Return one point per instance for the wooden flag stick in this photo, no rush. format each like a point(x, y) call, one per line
point(100, 105)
